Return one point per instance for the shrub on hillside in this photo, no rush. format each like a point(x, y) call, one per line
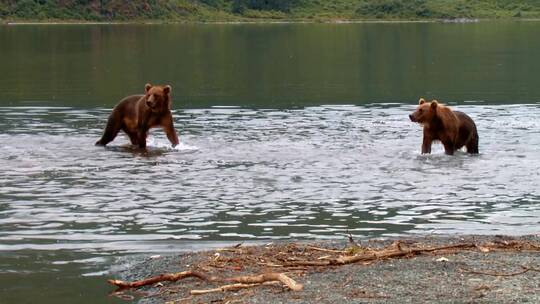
point(394, 8)
point(239, 6)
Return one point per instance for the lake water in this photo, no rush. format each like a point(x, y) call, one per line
point(288, 131)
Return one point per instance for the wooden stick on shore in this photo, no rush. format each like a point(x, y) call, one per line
point(246, 280)
point(171, 277)
point(268, 277)
point(232, 287)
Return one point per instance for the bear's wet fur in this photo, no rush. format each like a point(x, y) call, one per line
point(454, 129)
point(137, 114)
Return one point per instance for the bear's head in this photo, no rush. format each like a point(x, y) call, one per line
point(425, 112)
point(157, 97)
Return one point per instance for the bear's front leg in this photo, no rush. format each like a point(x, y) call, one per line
point(426, 145)
point(173, 138)
point(141, 138)
point(168, 127)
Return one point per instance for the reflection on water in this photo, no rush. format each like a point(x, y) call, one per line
point(271, 65)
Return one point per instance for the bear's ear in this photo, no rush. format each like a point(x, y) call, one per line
point(147, 87)
point(167, 89)
point(421, 101)
point(434, 104)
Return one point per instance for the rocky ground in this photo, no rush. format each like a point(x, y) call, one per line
point(480, 269)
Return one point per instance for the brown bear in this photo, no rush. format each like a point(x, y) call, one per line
point(136, 114)
point(453, 128)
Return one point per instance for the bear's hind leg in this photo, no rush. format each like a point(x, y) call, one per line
point(449, 148)
point(133, 138)
point(449, 151)
point(472, 145)
point(142, 133)
point(111, 130)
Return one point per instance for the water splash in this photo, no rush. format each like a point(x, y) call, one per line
point(155, 143)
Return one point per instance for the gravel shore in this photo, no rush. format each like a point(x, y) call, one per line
point(466, 276)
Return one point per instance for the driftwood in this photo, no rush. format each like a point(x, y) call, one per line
point(292, 257)
point(268, 277)
point(395, 252)
point(496, 274)
point(242, 281)
point(171, 277)
point(231, 287)
point(325, 250)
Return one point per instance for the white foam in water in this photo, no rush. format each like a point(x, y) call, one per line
point(185, 147)
point(153, 143)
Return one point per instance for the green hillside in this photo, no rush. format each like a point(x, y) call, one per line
point(253, 10)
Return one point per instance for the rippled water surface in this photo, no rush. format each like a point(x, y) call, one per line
point(287, 132)
point(67, 206)
point(245, 174)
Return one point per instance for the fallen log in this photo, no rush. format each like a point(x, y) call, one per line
point(171, 277)
point(266, 277)
point(231, 287)
point(396, 251)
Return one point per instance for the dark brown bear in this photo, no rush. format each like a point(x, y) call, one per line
point(453, 128)
point(136, 114)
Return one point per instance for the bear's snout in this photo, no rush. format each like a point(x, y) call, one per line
point(411, 117)
point(149, 104)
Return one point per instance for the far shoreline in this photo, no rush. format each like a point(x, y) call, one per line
point(263, 21)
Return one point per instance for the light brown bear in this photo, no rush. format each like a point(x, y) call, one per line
point(136, 114)
point(453, 128)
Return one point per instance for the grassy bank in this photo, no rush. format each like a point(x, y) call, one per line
point(255, 10)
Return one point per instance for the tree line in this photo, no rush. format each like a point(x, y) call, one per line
point(208, 10)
